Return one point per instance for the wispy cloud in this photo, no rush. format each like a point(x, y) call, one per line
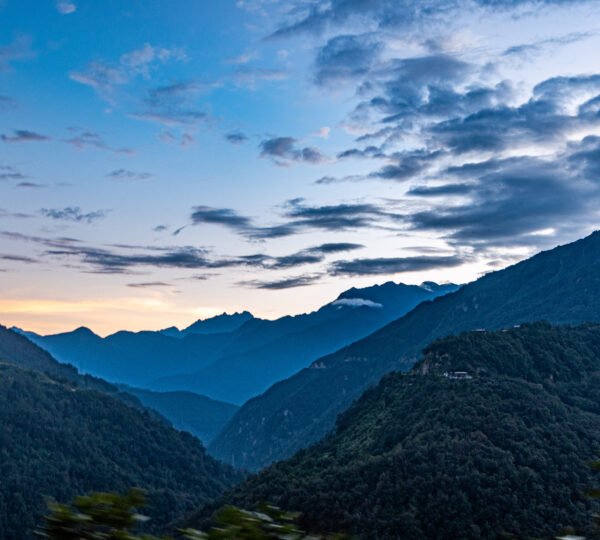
point(73, 213)
point(106, 77)
point(66, 7)
point(18, 50)
point(23, 135)
point(126, 175)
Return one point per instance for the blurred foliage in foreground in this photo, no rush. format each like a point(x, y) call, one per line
point(110, 516)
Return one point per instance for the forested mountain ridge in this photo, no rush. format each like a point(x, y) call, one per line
point(233, 366)
point(561, 285)
point(201, 416)
point(424, 455)
point(62, 434)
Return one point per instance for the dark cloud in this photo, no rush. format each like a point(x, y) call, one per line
point(393, 265)
point(73, 213)
point(18, 258)
point(127, 175)
point(221, 216)
point(148, 285)
point(407, 165)
point(517, 201)
point(284, 150)
point(23, 135)
point(298, 217)
point(368, 152)
point(236, 137)
point(440, 191)
point(346, 58)
point(281, 284)
point(337, 217)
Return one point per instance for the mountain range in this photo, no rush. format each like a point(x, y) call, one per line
point(489, 436)
point(561, 286)
point(234, 357)
point(63, 434)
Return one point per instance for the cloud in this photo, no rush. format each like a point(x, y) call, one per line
point(7, 103)
point(250, 77)
point(23, 135)
point(125, 175)
point(66, 7)
point(298, 217)
point(8, 172)
point(236, 137)
point(346, 58)
point(393, 265)
point(31, 185)
point(173, 105)
point(440, 191)
point(281, 284)
point(356, 302)
point(148, 285)
point(82, 139)
point(73, 213)
point(220, 216)
point(516, 198)
point(18, 258)
point(284, 150)
point(18, 50)
point(396, 15)
point(106, 77)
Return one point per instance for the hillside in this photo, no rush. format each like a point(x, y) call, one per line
point(234, 366)
point(201, 416)
point(59, 437)
point(425, 456)
point(561, 285)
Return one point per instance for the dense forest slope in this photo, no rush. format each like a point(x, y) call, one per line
point(62, 435)
point(201, 416)
point(422, 455)
point(234, 366)
point(561, 286)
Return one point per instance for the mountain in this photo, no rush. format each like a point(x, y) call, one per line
point(133, 358)
point(220, 324)
point(505, 450)
point(284, 346)
point(199, 415)
point(561, 286)
point(61, 435)
point(236, 365)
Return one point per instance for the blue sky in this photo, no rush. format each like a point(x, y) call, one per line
point(164, 161)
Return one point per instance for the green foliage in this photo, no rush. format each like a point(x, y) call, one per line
point(423, 456)
point(112, 516)
point(58, 437)
point(561, 286)
point(96, 516)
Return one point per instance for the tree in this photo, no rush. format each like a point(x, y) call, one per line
point(112, 516)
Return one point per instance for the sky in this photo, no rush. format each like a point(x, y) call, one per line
point(164, 161)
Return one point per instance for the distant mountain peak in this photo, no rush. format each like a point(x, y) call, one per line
point(83, 330)
point(219, 324)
